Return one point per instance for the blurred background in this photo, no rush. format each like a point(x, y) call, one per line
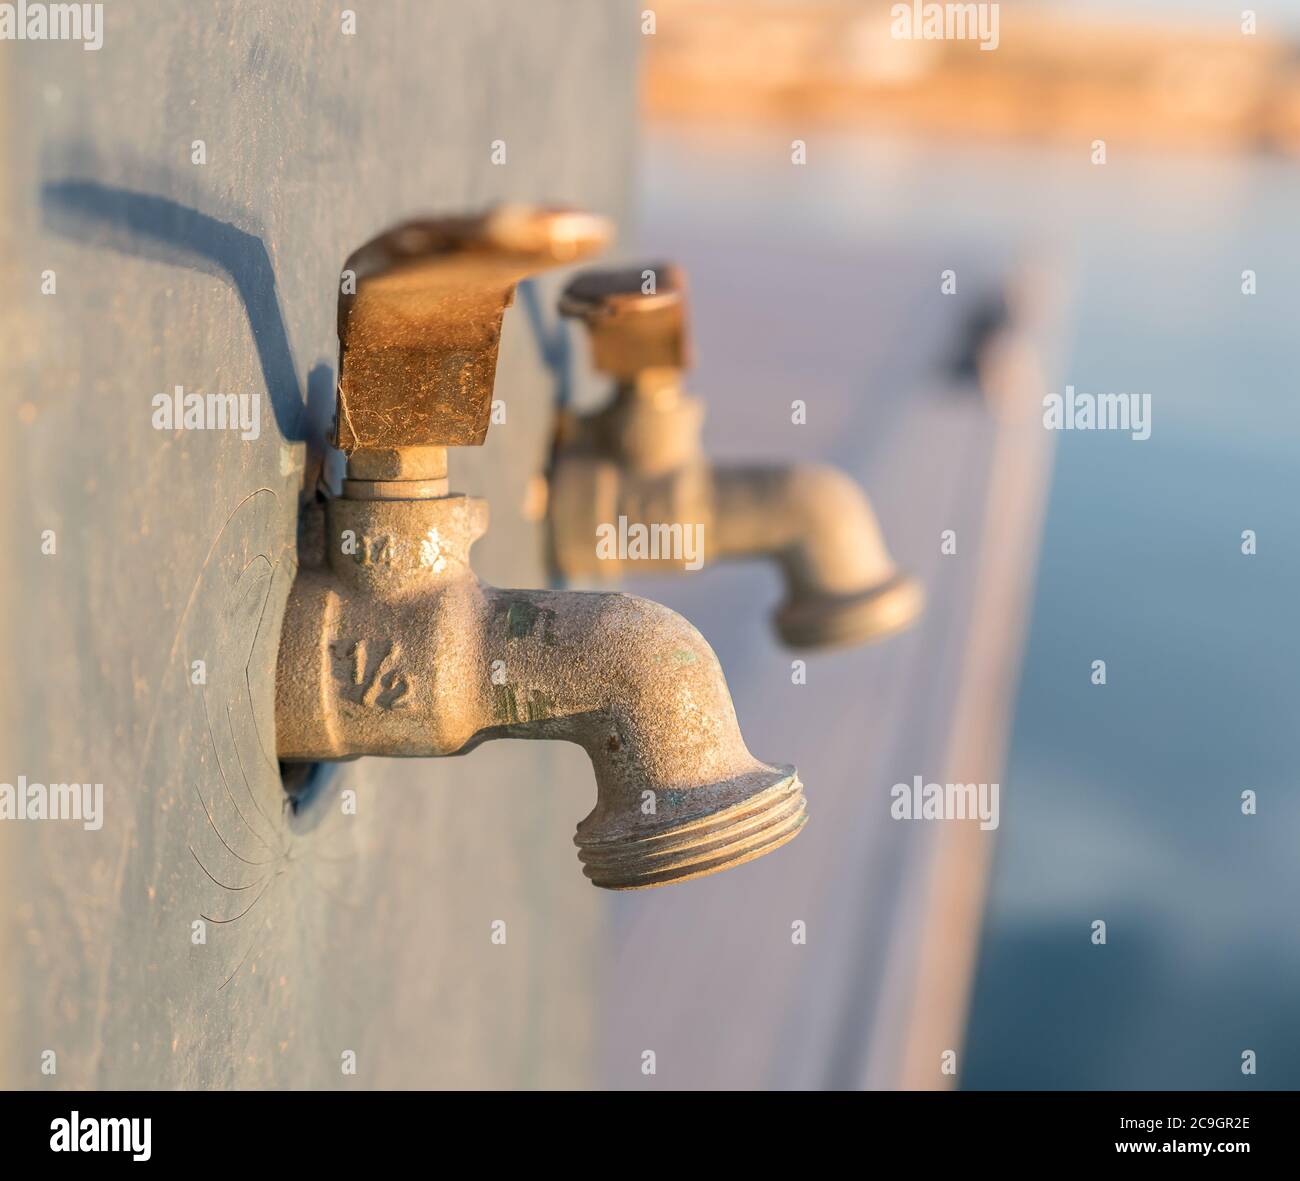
point(1120, 802)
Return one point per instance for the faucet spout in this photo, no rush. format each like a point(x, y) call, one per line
point(842, 586)
point(638, 688)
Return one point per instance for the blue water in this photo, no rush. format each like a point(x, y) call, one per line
point(1122, 802)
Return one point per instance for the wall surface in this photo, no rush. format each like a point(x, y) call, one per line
point(324, 932)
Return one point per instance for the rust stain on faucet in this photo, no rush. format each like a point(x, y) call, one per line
point(391, 645)
point(639, 459)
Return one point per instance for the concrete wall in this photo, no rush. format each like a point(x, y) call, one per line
point(326, 932)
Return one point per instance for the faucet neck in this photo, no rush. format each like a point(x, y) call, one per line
point(658, 388)
point(651, 425)
point(397, 473)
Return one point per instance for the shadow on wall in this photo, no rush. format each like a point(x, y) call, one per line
point(148, 226)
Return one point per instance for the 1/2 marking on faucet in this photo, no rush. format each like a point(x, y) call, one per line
point(380, 683)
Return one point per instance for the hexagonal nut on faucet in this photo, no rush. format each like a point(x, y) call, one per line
point(420, 321)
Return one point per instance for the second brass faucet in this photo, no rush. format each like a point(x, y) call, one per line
point(639, 459)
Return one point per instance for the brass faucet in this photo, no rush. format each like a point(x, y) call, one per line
point(637, 464)
point(392, 646)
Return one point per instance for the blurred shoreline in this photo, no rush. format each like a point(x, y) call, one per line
point(1056, 74)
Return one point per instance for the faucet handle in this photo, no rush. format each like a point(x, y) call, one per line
point(420, 321)
point(636, 317)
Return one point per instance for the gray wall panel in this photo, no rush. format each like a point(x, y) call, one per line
point(370, 932)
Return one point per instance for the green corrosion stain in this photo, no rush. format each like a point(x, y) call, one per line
point(514, 705)
point(523, 616)
point(684, 656)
